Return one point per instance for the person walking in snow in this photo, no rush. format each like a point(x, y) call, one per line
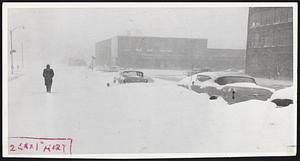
point(48, 74)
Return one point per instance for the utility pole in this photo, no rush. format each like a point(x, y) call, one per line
point(11, 47)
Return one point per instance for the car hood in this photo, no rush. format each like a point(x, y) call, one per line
point(187, 80)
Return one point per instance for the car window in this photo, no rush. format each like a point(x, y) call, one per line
point(234, 79)
point(140, 74)
point(202, 78)
point(133, 74)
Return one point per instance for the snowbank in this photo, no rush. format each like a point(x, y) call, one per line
point(157, 117)
point(286, 93)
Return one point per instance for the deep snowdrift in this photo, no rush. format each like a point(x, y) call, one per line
point(158, 117)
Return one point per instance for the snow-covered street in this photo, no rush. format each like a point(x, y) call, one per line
point(158, 117)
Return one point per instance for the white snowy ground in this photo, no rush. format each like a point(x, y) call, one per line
point(15, 75)
point(158, 117)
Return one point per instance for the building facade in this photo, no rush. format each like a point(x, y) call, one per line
point(164, 53)
point(269, 51)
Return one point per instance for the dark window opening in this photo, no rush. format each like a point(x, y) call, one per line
point(234, 79)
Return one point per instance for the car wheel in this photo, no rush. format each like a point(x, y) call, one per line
point(213, 97)
point(282, 102)
point(146, 81)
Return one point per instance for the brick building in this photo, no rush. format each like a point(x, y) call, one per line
point(270, 42)
point(165, 53)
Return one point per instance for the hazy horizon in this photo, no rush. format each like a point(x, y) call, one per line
point(53, 34)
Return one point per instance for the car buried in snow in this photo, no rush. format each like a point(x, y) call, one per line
point(283, 97)
point(231, 86)
point(130, 76)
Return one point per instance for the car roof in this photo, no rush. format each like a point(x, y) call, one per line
point(215, 75)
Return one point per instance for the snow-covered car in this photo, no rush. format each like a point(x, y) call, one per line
point(283, 97)
point(130, 76)
point(232, 87)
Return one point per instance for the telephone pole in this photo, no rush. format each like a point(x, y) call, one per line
point(11, 47)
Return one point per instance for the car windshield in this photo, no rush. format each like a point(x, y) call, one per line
point(234, 79)
point(133, 74)
point(202, 78)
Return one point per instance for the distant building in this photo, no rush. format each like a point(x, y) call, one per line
point(221, 59)
point(165, 53)
point(270, 42)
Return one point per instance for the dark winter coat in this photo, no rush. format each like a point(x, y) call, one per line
point(48, 75)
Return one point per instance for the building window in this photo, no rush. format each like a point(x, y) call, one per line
point(256, 40)
point(289, 34)
point(250, 41)
point(262, 40)
point(264, 18)
point(268, 39)
point(252, 21)
point(286, 37)
point(287, 40)
point(290, 14)
point(249, 44)
point(284, 15)
point(138, 49)
point(270, 17)
point(258, 19)
point(163, 50)
point(255, 20)
point(276, 38)
point(282, 38)
point(149, 50)
point(277, 15)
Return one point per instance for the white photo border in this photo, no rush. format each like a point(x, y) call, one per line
point(82, 5)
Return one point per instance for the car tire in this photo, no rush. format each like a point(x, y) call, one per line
point(282, 102)
point(213, 97)
point(146, 81)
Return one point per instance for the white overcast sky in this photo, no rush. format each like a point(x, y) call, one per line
point(52, 33)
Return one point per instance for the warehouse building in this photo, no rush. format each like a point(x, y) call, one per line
point(164, 53)
point(270, 42)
